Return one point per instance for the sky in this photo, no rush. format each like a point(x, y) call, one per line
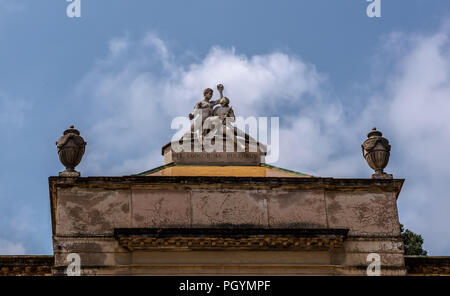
point(123, 70)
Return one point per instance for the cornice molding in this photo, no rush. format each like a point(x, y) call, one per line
point(26, 265)
point(214, 243)
point(229, 238)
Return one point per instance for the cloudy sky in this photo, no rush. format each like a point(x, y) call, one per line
point(125, 69)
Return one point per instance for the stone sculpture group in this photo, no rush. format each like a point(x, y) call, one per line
point(215, 122)
point(211, 121)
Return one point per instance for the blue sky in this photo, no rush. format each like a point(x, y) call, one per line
point(123, 70)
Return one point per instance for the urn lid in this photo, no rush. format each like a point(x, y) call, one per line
point(374, 133)
point(71, 130)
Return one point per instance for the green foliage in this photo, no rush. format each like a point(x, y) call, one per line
point(413, 242)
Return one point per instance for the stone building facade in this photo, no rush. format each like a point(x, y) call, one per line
point(226, 225)
point(224, 213)
point(207, 219)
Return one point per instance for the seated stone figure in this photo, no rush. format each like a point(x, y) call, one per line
point(222, 117)
point(219, 114)
point(202, 110)
point(220, 123)
point(224, 111)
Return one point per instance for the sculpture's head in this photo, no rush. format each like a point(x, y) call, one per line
point(208, 93)
point(224, 102)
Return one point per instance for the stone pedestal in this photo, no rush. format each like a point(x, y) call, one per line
point(73, 174)
point(382, 176)
point(197, 155)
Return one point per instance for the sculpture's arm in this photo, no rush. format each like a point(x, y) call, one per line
point(229, 115)
point(220, 89)
point(216, 102)
point(196, 107)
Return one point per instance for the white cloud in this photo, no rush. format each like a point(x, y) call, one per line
point(22, 229)
point(117, 46)
point(11, 248)
point(418, 116)
point(137, 106)
point(135, 95)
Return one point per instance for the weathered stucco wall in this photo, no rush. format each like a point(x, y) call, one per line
point(86, 211)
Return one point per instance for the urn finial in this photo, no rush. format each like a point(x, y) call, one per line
point(71, 148)
point(376, 151)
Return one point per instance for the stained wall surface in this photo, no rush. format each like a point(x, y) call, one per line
point(86, 212)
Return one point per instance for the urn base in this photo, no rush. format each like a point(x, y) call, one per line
point(69, 174)
point(381, 176)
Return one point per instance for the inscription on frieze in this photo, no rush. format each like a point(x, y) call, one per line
point(238, 158)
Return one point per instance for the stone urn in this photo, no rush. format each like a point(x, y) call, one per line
point(376, 151)
point(71, 148)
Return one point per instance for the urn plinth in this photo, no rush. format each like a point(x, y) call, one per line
point(71, 147)
point(376, 151)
